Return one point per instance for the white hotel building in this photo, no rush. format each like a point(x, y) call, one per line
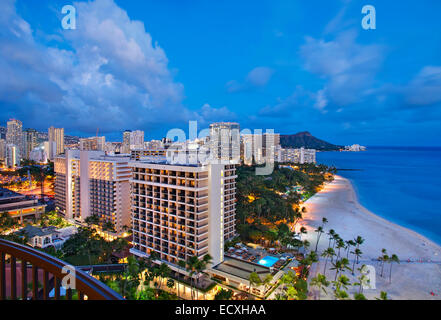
point(180, 211)
point(92, 183)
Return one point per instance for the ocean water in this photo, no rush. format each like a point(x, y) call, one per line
point(402, 185)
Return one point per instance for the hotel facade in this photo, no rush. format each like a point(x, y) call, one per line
point(91, 183)
point(179, 211)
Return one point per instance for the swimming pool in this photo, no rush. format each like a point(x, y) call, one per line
point(268, 261)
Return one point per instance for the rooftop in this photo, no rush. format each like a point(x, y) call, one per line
point(241, 269)
point(32, 231)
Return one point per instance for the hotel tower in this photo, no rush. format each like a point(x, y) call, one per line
point(91, 183)
point(180, 210)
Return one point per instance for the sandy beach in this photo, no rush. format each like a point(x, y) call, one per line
point(419, 271)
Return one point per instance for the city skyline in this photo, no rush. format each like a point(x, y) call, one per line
point(332, 78)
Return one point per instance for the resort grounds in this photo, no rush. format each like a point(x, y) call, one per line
point(416, 277)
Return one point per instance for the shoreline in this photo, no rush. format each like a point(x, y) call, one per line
point(416, 276)
point(386, 221)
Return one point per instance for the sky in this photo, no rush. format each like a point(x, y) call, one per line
point(288, 65)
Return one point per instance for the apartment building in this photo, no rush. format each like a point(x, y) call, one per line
point(259, 148)
point(30, 142)
point(14, 136)
point(137, 154)
point(93, 143)
point(132, 140)
point(300, 156)
point(56, 135)
point(225, 142)
point(91, 183)
point(182, 210)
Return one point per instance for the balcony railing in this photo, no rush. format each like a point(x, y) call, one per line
point(51, 270)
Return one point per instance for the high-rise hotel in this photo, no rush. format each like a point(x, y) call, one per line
point(180, 211)
point(92, 183)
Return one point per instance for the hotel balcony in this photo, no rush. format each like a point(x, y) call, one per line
point(19, 262)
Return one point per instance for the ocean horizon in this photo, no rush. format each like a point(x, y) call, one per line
point(400, 184)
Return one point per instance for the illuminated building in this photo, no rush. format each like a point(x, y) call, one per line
point(19, 206)
point(225, 142)
point(14, 136)
point(300, 156)
point(56, 135)
point(30, 142)
point(91, 183)
point(93, 144)
point(181, 210)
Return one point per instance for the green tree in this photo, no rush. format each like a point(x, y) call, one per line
point(393, 258)
point(320, 282)
point(328, 253)
point(223, 295)
point(254, 280)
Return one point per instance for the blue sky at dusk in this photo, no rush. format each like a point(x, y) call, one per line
point(285, 65)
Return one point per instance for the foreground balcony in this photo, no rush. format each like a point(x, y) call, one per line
point(20, 263)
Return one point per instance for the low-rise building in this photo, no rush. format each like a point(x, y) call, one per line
point(19, 206)
point(46, 237)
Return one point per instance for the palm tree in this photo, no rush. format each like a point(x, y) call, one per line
point(182, 265)
point(200, 266)
point(383, 259)
point(340, 244)
point(331, 234)
point(349, 244)
point(393, 258)
point(359, 241)
point(191, 268)
point(254, 279)
point(319, 231)
point(357, 253)
point(320, 282)
point(344, 282)
point(383, 296)
point(267, 280)
point(328, 253)
point(163, 272)
point(170, 283)
point(339, 266)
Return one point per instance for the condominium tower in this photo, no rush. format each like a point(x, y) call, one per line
point(30, 142)
point(57, 135)
point(93, 144)
point(14, 136)
point(225, 142)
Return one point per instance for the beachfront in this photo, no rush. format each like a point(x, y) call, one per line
point(416, 277)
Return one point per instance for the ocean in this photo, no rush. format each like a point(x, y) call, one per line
point(402, 185)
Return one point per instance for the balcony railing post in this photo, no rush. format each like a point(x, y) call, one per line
point(13, 278)
point(24, 280)
point(2, 276)
point(34, 282)
point(57, 288)
point(45, 285)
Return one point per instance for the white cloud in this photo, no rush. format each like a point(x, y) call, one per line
point(348, 67)
point(113, 77)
